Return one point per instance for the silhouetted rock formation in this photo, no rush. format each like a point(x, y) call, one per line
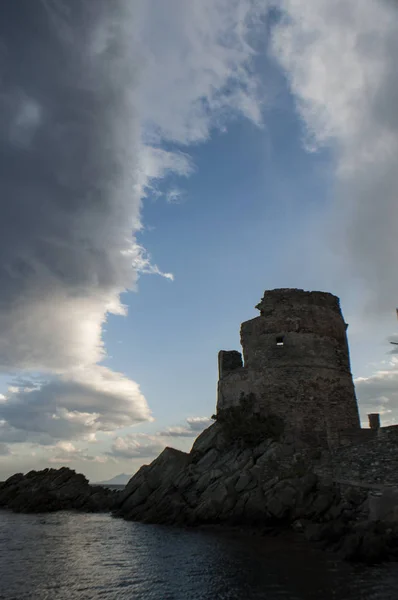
point(271, 484)
point(287, 447)
point(54, 489)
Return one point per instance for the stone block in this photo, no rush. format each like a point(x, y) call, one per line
point(228, 361)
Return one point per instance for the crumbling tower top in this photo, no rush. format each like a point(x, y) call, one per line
point(301, 311)
point(282, 296)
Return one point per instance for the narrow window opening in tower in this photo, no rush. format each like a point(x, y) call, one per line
point(279, 340)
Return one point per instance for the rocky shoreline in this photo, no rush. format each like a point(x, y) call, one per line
point(267, 487)
point(51, 490)
point(286, 450)
point(262, 489)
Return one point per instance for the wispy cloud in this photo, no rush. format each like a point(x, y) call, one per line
point(143, 264)
point(175, 196)
point(144, 445)
point(138, 445)
point(192, 428)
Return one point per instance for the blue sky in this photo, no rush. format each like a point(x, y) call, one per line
point(226, 150)
point(230, 238)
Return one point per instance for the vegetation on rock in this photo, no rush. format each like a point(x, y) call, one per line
point(240, 424)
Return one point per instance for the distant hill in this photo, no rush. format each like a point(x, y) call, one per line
point(120, 479)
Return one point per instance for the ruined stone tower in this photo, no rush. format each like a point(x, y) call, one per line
point(295, 365)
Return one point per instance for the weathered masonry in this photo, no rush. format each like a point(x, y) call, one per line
point(295, 365)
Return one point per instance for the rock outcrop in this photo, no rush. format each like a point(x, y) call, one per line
point(267, 485)
point(54, 489)
point(286, 448)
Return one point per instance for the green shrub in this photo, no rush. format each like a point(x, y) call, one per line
point(240, 424)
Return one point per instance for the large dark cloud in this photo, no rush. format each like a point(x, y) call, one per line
point(67, 144)
point(82, 85)
point(89, 91)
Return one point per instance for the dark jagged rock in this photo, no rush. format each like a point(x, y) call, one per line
point(220, 482)
point(272, 484)
point(54, 489)
point(287, 447)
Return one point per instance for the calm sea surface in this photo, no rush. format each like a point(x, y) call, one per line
point(67, 556)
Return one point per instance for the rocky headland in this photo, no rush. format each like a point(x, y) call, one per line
point(50, 490)
point(269, 486)
point(287, 448)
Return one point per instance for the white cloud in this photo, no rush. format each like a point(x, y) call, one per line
point(143, 445)
point(65, 453)
point(143, 264)
point(194, 426)
point(340, 59)
point(157, 163)
point(66, 447)
point(139, 445)
point(379, 393)
point(196, 66)
point(199, 423)
point(73, 406)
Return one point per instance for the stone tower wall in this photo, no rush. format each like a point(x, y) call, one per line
point(296, 365)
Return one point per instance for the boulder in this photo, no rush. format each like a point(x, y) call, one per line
point(210, 438)
point(54, 489)
point(152, 494)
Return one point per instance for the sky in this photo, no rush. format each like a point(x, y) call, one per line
point(162, 163)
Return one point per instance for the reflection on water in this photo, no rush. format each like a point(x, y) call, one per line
point(67, 556)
